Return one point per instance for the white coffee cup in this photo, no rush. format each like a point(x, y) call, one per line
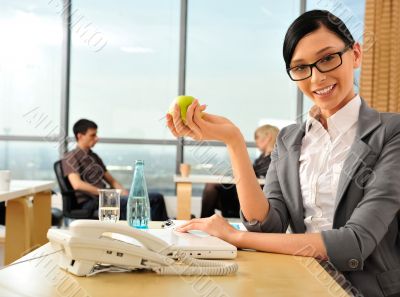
point(5, 179)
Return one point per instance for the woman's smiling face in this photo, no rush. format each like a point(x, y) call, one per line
point(331, 90)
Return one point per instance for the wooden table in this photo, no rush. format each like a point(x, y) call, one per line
point(184, 190)
point(259, 274)
point(27, 221)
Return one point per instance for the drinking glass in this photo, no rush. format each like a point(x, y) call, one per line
point(109, 205)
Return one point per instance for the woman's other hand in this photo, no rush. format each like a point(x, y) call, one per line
point(214, 225)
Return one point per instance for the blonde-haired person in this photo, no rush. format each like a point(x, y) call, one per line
point(224, 196)
point(265, 138)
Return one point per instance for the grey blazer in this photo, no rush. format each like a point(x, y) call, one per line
point(364, 243)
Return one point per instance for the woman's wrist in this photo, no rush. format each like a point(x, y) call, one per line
point(235, 238)
point(235, 139)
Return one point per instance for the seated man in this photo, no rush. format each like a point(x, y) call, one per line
point(224, 196)
point(87, 173)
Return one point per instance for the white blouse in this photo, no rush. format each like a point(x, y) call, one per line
point(323, 153)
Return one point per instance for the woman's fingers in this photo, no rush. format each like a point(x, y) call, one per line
point(196, 120)
point(171, 126)
point(180, 127)
point(192, 221)
point(195, 224)
point(198, 114)
point(214, 225)
point(190, 123)
point(192, 226)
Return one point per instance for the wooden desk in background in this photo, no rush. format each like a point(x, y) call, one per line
point(259, 274)
point(184, 190)
point(26, 223)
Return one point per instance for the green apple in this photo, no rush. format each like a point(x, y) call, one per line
point(183, 103)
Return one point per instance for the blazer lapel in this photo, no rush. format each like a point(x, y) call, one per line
point(359, 150)
point(288, 170)
point(368, 121)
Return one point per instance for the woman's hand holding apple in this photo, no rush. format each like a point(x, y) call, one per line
point(200, 125)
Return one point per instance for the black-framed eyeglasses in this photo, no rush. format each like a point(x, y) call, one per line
point(325, 64)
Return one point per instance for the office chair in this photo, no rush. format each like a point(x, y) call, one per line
point(70, 204)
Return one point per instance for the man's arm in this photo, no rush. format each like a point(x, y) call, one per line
point(114, 183)
point(78, 184)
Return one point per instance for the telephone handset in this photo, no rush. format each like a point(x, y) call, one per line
point(89, 248)
point(96, 229)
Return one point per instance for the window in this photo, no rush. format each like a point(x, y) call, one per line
point(124, 65)
point(159, 164)
point(29, 160)
point(235, 63)
point(30, 68)
point(350, 12)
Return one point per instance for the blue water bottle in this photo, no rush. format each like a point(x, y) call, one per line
point(138, 207)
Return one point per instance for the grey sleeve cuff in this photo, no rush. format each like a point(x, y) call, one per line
point(343, 249)
point(271, 224)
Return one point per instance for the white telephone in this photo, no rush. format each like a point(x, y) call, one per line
point(88, 247)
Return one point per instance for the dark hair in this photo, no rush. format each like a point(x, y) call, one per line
point(82, 126)
point(311, 21)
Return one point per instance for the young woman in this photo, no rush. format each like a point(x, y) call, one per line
point(333, 179)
